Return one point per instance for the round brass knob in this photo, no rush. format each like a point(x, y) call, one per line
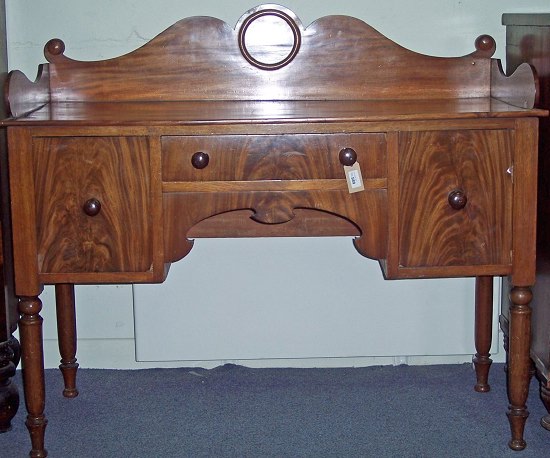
point(457, 199)
point(347, 156)
point(92, 207)
point(200, 160)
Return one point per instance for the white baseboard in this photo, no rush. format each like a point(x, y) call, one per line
point(120, 354)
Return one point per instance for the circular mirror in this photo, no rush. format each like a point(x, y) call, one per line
point(269, 39)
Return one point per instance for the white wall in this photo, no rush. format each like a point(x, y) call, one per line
point(392, 324)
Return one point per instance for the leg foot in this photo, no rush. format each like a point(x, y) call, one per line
point(37, 429)
point(66, 330)
point(483, 332)
point(517, 419)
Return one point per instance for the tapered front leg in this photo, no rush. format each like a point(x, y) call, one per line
point(32, 361)
point(483, 332)
point(519, 363)
point(66, 332)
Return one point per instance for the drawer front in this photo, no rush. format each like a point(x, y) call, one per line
point(269, 157)
point(455, 198)
point(75, 233)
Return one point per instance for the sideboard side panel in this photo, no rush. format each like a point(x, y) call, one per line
point(23, 212)
point(525, 201)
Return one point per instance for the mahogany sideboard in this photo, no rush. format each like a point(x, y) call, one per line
point(528, 40)
point(271, 128)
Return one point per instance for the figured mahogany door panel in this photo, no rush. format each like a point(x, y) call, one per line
point(93, 204)
point(455, 198)
point(269, 157)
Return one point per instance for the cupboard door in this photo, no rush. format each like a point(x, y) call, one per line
point(455, 198)
point(92, 204)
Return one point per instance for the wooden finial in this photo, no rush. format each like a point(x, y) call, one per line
point(485, 46)
point(54, 47)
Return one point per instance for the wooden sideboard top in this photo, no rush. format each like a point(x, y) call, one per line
point(243, 112)
point(269, 68)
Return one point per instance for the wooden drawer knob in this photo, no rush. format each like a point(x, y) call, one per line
point(347, 156)
point(200, 160)
point(457, 199)
point(92, 207)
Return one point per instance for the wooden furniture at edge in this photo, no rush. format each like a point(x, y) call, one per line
point(9, 346)
point(528, 40)
point(212, 131)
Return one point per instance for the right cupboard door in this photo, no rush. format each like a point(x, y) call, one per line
point(455, 199)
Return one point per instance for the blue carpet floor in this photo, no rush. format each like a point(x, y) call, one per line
point(234, 411)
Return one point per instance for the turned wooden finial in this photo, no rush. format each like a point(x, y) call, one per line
point(485, 46)
point(54, 47)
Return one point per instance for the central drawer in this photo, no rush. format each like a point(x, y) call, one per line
point(269, 157)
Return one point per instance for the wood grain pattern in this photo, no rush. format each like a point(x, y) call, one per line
point(270, 157)
point(432, 164)
point(68, 172)
point(201, 60)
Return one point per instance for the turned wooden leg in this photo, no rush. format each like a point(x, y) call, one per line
point(519, 363)
point(9, 395)
point(32, 362)
point(66, 332)
point(545, 396)
point(483, 332)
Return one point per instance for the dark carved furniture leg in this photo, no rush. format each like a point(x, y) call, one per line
point(519, 363)
point(9, 394)
point(16, 348)
point(30, 328)
point(66, 330)
point(483, 332)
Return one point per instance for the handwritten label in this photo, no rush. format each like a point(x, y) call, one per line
point(354, 178)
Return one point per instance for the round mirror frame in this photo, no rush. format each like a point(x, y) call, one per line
point(293, 27)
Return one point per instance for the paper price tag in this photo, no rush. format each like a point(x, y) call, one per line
point(354, 178)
